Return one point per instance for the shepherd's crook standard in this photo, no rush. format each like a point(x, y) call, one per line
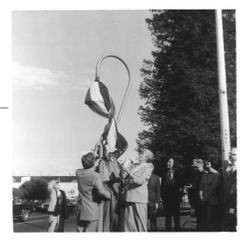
point(97, 78)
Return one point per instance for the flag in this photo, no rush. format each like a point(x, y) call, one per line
point(113, 138)
point(99, 100)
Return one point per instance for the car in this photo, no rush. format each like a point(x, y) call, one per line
point(37, 205)
point(21, 211)
point(44, 207)
point(29, 206)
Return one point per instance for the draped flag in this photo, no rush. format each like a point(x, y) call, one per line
point(99, 100)
point(114, 139)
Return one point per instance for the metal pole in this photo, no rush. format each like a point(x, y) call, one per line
point(224, 116)
point(97, 78)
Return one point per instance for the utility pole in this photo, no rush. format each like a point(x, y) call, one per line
point(224, 115)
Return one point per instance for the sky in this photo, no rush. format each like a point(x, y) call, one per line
point(54, 55)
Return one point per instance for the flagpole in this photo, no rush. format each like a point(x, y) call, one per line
point(97, 78)
point(224, 115)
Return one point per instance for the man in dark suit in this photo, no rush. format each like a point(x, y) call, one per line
point(171, 193)
point(154, 191)
point(229, 199)
point(194, 191)
point(209, 195)
point(91, 192)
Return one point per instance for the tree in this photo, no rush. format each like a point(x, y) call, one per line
point(35, 189)
point(17, 193)
point(180, 86)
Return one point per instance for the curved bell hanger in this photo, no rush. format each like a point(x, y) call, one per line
point(125, 96)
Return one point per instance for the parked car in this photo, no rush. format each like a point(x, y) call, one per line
point(29, 206)
point(37, 205)
point(44, 207)
point(21, 211)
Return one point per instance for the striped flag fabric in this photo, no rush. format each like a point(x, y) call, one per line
point(99, 100)
point(113, 138)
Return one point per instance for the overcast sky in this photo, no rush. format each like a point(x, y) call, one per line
point(54, 59)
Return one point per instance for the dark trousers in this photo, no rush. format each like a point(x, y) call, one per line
point(152, 213)
point(210, 217)
point(61, 224)
point(121, 210)
point(172, 210)
point(198, 215)
point(229, 222)
point(87, 226)
point(110, 216)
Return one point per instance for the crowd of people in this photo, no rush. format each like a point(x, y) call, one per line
point(121, 197)
point(213, 195)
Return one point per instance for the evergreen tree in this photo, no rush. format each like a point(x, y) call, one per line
point(17, 193)
point(180, 86)
point(35, 189)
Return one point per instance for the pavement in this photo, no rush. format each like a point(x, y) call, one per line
point(38, 222)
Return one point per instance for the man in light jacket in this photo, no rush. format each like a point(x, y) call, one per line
point(136, 198)
point(58, 209)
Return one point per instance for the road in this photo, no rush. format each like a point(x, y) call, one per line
point(39, 223)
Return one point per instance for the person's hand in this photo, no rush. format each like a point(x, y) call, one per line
point(127, 163)
point(97, 163)
point(156, 206)
point(123, 174)
point(125, 169)
point(201, 196)
point(231, 211)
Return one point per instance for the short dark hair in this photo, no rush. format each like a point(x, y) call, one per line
point(88, 160)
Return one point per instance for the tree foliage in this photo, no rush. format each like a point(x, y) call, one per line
point(17, 193)
point(180, 86)
point(35, 189)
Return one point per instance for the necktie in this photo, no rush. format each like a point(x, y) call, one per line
point(169, 176)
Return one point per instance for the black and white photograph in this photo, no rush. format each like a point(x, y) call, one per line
point(124, 120)
point(127, 120)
